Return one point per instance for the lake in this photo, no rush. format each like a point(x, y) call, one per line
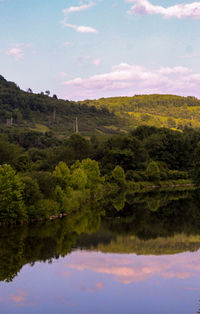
point(130, 253)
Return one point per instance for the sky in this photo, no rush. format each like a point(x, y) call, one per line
point(101, 48)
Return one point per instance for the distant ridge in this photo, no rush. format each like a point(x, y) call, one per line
point(43, 113)
point(40, 112)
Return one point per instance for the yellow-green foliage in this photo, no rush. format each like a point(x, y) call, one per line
point(170, 111)
point(77, 184)
point(132, 244)
point(40, 128)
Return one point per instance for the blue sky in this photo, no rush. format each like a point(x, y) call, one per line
point(101, 48)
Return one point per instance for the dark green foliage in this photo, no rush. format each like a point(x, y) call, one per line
point(124, 150)
point(8, 152)
point(23, 163)
point(31, 191)
point(47, 182)
point(153, 172)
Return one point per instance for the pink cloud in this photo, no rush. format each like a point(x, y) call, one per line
point(19, 298)
point(96, 61)
point(126, 80)
point(187, 10)
point(133, 268)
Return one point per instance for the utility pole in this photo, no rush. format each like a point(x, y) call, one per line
point(76, 126)
point(11, 119)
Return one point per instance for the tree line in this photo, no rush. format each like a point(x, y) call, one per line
point(40, 182)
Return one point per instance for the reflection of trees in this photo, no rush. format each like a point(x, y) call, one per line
point(172, 227)
point(153, 204)
point(133, 229)
point(149, 215)
point(119, 200)
point(44, 241)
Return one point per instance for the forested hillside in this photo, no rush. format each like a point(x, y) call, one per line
point(154, 110)
point(42, 113)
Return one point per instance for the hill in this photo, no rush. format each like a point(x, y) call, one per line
point(42, 113)
point(169, 111)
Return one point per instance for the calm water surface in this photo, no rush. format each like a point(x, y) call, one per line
point(143, 258)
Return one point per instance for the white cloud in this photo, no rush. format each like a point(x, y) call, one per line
point(18, 53)
point(182, 10)
point(78, 8)
point(82, 29)
point(78, 28)
point(126, 80)
point(18, 50)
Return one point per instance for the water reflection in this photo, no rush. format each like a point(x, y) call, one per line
point(130, 268)
point(141, 228)
point(126, 244)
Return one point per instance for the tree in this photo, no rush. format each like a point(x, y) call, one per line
point(23, 163)
point(12, 207)
point(91, 168)
point(47, 92)
point(78, 179)
point(118, 175)
point(62, 171)
point(153, 172)
point(31, 192)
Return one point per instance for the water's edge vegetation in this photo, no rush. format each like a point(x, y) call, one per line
point(68, 188)
point(46, 183)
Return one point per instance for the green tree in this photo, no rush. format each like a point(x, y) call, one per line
point(62, 172)
point(12, 207)
point(78, 179)
point(153, 172)
point(91, 168)
point(31, 192)
point(118, 176)
point(23, 163)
